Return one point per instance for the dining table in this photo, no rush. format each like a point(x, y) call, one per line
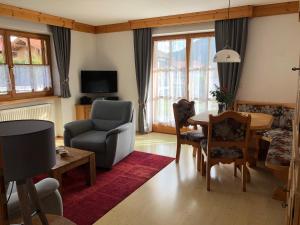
point(260, 122)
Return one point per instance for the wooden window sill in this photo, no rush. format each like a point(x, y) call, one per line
point(27, 100)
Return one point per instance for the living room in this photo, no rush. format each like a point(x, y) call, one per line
point(101, 61)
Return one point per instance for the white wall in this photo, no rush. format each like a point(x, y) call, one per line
point(83, 56)
point(115, 51)
point(273, 48)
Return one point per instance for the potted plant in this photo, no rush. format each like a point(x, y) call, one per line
point(223, 97)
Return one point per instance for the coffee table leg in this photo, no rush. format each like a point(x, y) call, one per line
point(92, 170)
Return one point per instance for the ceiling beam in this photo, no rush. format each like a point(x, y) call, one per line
point(39, 17)
point(113, 28)
point(187, 18)
point(190, 18)
point(212, 15)
point(276, 9)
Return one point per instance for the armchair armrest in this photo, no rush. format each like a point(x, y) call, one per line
point(119, 129)
point(46, 187)
point(78, 127)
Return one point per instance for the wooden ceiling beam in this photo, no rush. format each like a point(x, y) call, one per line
point(190, 18)
point(82, 27)
point(113, 28)
point(187, 18)
point(39, 17)
point(212, 15)
point(276, 9)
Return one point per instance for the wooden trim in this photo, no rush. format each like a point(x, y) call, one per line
point(82, 27)
point(113, 28)
point(159, 128)
point(179, 19)
point(12, 95)
point(183, 36)
point(276, 9)
point(39, 17)
point(197, 17)
point(34, 16)
point(189, 18)
point(27, 100)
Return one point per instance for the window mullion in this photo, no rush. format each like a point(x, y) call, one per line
point(9, 59)
point(188, 51)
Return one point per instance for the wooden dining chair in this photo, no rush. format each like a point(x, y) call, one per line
point(227, 142)
point(183, 110)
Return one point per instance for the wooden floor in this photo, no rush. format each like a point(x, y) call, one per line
point(177, 195)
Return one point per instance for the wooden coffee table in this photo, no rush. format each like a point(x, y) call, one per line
point(76, 158)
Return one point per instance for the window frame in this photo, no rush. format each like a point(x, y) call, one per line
point(12, 95)
point(188, 38)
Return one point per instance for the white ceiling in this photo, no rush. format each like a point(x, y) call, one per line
point(97, 12)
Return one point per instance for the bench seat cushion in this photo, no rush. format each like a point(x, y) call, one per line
point(279, 153)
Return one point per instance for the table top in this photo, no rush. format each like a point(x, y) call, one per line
point(259, 121)
point(74, 156)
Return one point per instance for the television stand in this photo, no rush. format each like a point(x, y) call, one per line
point(83, 111)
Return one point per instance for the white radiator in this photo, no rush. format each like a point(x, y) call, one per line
point(38, 112)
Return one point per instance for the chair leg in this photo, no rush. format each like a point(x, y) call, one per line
point(203, 167)
point(178, 152)
point(194, 151)
point(208, 176)
point(244, 176)
point(199, 158)
point(235, 170)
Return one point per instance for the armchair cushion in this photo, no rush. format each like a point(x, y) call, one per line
point(107, 115)
point(220, 152)
point(194, 135)
point(92, 140)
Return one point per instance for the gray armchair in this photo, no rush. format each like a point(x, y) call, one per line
point(110, 132)
point(48, 194)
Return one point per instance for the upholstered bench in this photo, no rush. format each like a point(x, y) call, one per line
point(279, 153)
point(279, 137)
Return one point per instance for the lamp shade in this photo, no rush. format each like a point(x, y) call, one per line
point(28, 148)
point(227, 56)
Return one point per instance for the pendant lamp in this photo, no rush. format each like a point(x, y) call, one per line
point(227, 54)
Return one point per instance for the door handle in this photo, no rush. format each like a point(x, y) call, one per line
point(295, 68)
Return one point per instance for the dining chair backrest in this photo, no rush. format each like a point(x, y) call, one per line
point(183, 110)
point(229, 129)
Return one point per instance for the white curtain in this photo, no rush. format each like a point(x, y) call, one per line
point(5, 85)
point(203, 74)
point(32, 77)
point(170, 81)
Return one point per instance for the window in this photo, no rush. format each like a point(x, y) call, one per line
point(183, 68)
point(25, 69)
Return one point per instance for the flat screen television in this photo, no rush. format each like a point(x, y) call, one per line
point(99, 82)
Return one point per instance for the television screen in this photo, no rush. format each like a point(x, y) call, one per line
point(99, 81)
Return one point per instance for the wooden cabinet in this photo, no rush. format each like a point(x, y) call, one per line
point(83, 112)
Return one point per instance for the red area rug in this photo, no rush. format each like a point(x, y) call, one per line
point(85, 205)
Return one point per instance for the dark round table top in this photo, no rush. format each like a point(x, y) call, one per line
point(22, 127)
